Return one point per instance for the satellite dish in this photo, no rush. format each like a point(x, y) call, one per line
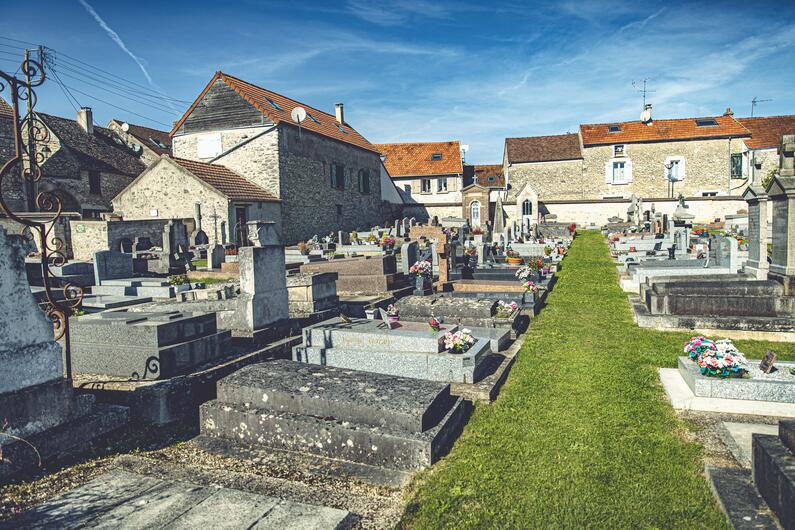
point(125, 126)
point(465, 148)
point(298, 114)
point(136, 148)
point(645, 116)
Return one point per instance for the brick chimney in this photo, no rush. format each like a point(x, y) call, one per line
point(340, 113)
point(728, 112)
point(86, 119)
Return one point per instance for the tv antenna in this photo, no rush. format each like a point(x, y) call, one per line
point(755, 101)
point(637, 86)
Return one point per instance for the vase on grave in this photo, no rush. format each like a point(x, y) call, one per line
point(422, 285)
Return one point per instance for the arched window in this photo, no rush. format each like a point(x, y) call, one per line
point(474, 213)
point(527, 207)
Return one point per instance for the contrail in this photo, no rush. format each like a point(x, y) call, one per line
point(115, 36)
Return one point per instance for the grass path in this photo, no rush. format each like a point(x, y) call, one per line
point(582, 434)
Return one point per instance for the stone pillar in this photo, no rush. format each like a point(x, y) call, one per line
point(782, 199)
point(263, 282)
point(757, 264)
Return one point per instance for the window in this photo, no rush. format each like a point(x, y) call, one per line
point(425, 186)
point(158, 143)
point(273, 104)
point(364, 181)
point(707, 122)
point(94, 183)
point(527, 207)
point(313, 118)
point(208, 145)
point(337, 176)
point(341, 128)
point(474, 213)
point(737, 165)
point(436, 156)
point(491, 178)
point(619, 172)
point(618, 150)
point(613, 128)
point(407, 189)
point(675, 168)
point(709, 193)
point(441, 185)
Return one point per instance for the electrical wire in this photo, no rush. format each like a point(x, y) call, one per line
point(117, 107)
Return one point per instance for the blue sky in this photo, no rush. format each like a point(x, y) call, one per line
point(415, 70)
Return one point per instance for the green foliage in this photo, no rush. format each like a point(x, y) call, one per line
point(769, 177)
point(581, 434)
point(178, 279)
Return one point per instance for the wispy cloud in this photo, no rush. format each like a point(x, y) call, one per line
point(396, 12)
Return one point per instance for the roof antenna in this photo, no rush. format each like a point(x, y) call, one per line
point(755, 101)
point(644, 90)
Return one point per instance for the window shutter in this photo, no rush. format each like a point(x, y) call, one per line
point(609, 172)
point(628, 170)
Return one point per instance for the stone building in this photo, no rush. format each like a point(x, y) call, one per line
point(219, 200)
point(479, 197)
point(149, 143)
point(325, 173)
point(759, 158)
point(429, 176)
point(12, 193)
point(589, 176)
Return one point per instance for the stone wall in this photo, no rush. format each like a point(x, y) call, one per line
point(257, 160)
point(93, 236)
point(310, 205)
point(424, 212)
point(706, 170)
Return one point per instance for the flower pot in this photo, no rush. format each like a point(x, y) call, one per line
point(393, 318)
point(473, 261)
point(421, 283)
point(514, 261)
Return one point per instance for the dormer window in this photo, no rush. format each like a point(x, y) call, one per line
point(436, 156)
point(710, 122)
point(613, 128)
point(618, 150)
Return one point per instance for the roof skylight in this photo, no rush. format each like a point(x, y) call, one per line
point(273, 104)
point(613, 128)
point(313, 118)
point(341, 128)
point(709, 122)
point(436, 156)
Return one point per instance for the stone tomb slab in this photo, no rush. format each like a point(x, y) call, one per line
point(410, 349)
point(155, 344)
point(348, 395)
point(120, 499)
point(777, 386)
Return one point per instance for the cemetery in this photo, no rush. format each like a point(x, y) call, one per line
point(442, 371)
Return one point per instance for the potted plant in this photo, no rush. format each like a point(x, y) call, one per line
point(572, 228)
point(387, 243)
point(513, 257)
point(536, 266)
point(302, 248)
point(392, 313)
point(458, 342)
point(422, 272)
point(506, 309)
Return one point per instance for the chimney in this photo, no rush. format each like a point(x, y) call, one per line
point(645, 116)
point(728, 112)
point(86, 119)
point(340, 113)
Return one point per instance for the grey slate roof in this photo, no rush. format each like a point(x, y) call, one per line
point(98, 152)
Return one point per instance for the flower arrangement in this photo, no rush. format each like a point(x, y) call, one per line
point(547, 251)
point(523, 273)
point(372, 239)
point(458, 342)
point(354, 237)
point(434, 325)
point(392, 313)
point(471, 251)
point(572, 228)
point(232, 251)
point(387, 241)
point(178, 279)
point(302, 248)
point(716, 358)
point(511, 253)
point(506, 309)
point(535, 264)
point(422, 268)
point(530, 286)
point(477, 231)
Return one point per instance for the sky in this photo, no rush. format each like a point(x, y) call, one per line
point(416, 70)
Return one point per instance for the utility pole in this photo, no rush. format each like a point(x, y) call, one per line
point(756, 101)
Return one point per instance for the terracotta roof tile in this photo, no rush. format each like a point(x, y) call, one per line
point(661, 130)
point(490, 176)
point(226, 181)
point(766, 132)
point(543, 148)
point(418, 158)
point(261, 98)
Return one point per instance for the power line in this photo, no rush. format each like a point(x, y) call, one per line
point(117, 107)
point(20, 41)
point(66, 91)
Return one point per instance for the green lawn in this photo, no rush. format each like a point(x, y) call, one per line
point(582, 434)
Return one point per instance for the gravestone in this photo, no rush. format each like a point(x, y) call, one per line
point(408, 255)
point(412, 221)
point(341, 238)
point(406, 225)
point(782, 198)
point(756, 198)
point(175, 258)
point(263, 297)
point(36, 402)
point(112, 265)
point(766, 365)
point(215, 257)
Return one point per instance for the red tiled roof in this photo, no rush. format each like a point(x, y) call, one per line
point(486, 171)
point(5, 109)
point(417, 158)
point(226, 181)
point(543, 148)
point(766, 132)
point(661, 130)
point(259, 97)
point(146, 135)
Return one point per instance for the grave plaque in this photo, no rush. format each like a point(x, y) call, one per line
point(767, 363)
